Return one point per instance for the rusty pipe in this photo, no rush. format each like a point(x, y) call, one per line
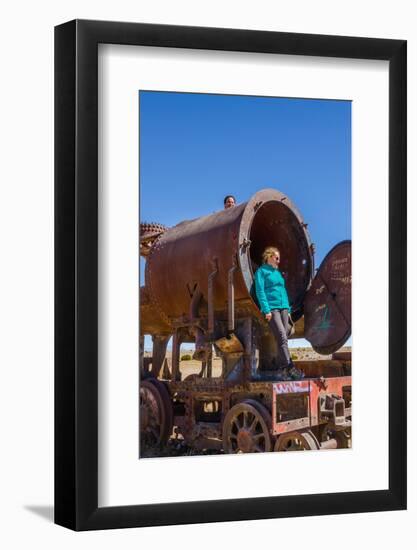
point(200, 342)
point(210, 291)
point(231, 297)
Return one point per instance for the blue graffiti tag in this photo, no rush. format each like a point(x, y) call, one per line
point(325, 323)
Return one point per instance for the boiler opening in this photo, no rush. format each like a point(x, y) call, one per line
point(275, 224)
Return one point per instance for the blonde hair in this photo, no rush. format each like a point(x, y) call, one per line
point(269, 252)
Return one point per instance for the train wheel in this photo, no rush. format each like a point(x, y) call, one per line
point(303, 440)
point(156, 416)
point(246, 428)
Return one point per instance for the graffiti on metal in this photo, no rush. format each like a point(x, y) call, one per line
point(325, 323)
point(233, 397)
point(291, 387)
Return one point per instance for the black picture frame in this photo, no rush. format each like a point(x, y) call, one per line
point(76, 270)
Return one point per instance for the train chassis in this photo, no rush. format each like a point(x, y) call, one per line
point(262, 416)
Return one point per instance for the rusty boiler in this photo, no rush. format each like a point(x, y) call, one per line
point(199, 285)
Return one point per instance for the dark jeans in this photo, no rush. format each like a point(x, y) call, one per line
point(279, 327)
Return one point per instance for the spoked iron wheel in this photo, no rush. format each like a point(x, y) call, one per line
point(155, 414)
point(246, 428)
point(303, 440)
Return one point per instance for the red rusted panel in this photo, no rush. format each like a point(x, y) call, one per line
point(325, 386)
point(301, 391)
point(327, 305)
point(311, 389)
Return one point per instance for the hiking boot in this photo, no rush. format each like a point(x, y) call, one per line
point(283, 374)
point(295, 374)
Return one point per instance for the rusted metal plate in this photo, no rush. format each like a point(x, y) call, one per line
point(287, 399)
point(323, 367)
point(328, 386)
point(328, 302)
point(151, 322)
point(148, 233)
point(342, 356)
point(230, 344)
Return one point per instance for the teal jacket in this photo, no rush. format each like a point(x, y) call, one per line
point(270, 289)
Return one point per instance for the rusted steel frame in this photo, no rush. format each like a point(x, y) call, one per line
point(290, 425)
point(328, 368)
point(314, 388)
point(194, 319)
point(258, 386)
point(332, 409)
point(176, 344)
point(301, 387)
point(329, 444)
point(323, 386)
point(230, 344)
point(203, 385)
point(209, 365)
point(141, 352)
point(210, 296)
point(225, 406)
point(248, 342)
point(206, 430)
point(231, 296)
point(189, 417)
point(160, 343)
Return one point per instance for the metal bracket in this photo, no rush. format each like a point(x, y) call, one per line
point(333, 407)
point(245, 244)
point(231, 296)
point(210, 296)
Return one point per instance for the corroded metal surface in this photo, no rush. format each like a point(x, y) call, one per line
point(150, 321)
point(228, 243)
point(148, 233)
point(327, 305)
point(155, 413)
point(199, 289)
point(251, 417)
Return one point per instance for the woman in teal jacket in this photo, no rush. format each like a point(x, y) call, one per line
point(273, 302)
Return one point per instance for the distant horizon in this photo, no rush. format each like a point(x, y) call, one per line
point(189, 346)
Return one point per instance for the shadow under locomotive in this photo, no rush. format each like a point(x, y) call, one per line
point(199, 289)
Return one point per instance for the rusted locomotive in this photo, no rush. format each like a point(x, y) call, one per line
point(199, 288)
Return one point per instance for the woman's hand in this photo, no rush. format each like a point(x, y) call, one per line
point(268, 316)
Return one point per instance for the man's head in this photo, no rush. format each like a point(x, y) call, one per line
point(229, 201)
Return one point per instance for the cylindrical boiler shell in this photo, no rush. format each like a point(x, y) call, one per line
point(182, 259)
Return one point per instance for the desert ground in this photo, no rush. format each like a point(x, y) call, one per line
point(190, 366)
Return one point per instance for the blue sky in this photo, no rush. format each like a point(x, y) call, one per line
point(197, 148)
